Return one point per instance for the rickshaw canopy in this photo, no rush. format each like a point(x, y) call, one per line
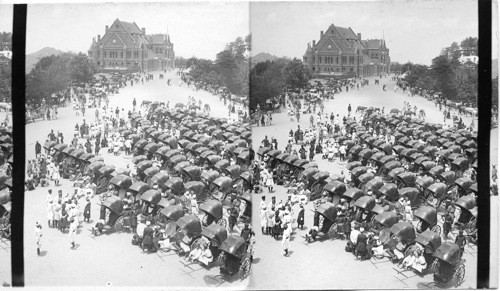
point(113, 203)
point(328, 210)
point(427, 214)
point(106, 170)
point(190, 223)
point(224, 183)
point(210, 176)
point(424, 182)
point(215, 233)
point(308, 174)
point(464, 182)
point(212, 207)
point(176, 185)
point(466, 202)
point(95, 166)
point(121, 181)
point(387, 218)
point(448, 252)
point(438, 189)
point(374, 184)
point(137, 159)
point(365, 202)
point(408, 179)
point(448, 176)
point(139, 187)
point(234, 245)
point(335, 188)
point(142, 166)
point(320, 176)
point(429, 239)
point(390, 190)
point(405, 230)
point(151, 196)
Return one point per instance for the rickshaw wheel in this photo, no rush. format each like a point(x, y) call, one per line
point(333, 231)
point(119, 225)
point(458, 276)
point(437, 229)
point(196, 243)
point(222, 222)
point(245, 267)
point(433, 267)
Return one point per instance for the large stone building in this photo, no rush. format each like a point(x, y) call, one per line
point(126, 47)
point(341, 53)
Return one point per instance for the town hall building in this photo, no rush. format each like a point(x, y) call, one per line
point(126, 47)
point(341, 53)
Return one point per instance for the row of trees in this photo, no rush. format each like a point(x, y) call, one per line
point(230, 68)
point(271, 78)
point(457, 81)
point(5, 68)
point(56, 73)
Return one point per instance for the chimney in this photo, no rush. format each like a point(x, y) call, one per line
point(321, 34)
point(98, 37)
point(314, 43)
point(107, 27)
point(359, 36)
point(144, 31)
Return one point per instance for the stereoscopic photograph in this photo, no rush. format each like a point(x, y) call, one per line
point(249, 145)
point(365, 132)
point(138, 145)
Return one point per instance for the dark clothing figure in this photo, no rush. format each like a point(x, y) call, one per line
point(300, 218)
point(86, 212)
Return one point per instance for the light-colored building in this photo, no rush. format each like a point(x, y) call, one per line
point(126, 47)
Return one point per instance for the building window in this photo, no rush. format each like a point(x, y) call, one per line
point(136, 55)
point(352, 69)
point(129, 54)
point(351, 60)
point(104, 54)
point(376, 56)
point(343, 69)
point(344, 60)
point(337, 60)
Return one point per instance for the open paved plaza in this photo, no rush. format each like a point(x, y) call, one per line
point(109, 258)
point(326, 263)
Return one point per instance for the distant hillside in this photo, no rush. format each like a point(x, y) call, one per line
point(32, 59)
point(262, 57)
point(494, 68)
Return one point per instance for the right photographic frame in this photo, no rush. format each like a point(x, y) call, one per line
point(365, 134)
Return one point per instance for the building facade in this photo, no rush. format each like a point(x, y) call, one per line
point(341, 53)
point(126, 47)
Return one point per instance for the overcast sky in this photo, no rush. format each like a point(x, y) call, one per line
point(414, 30)
point(6, 17)
point(198, 29)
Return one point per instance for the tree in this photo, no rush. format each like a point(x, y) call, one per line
point(82, 69)
point(180, 62)
point(494, 92)
point(469, 46)
point(296, 75)
point(442, 72)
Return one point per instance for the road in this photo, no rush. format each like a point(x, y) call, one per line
point(107, 259)
point(326, 264)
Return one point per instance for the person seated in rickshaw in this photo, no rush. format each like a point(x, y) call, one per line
point(408, 261)
point(375, 246)
point(300, 196)
point(99, 227)
point(398, 252)
point(311, 235)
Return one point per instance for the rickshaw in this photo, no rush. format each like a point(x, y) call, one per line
point(319, 182)
point(191, 173)
point(352, 155)
point(246, 197)
point(175, 185)
point(447, 178)
point(389, 191)
point(71, 164)
point(364, 156)
point(234, 257)
point(137, 188)
point(262, 151)
point(174, 161)
point(382, 224)
point(58, 148)
point(364, 206)
point(306, 177)
point(150, 172)
point(168, 216)
point(393, 175)
point(449, 266)
point(137, 159)
point(48, 146)
point(373, 185)
point(352, 165)
point(435, 171)
point(158, 179)
point(221, 165)
point(208, 178)
point(280, 166)
point(286, 168)
point(245, 180)
point(202, 159)
point(428, 241)
point(460, 165)
point(406, 179)
point(468, 213)
point(232, 172)
point(436, 194)
point(213, 236)
point(422, 183)
point(138, 147)
point(271, 158)
point(150, 149)
point(356, 174)
point(85, 161)
point(463, 186)
point(104, 175)
point(427, 219)
point(188, 229)
point(402, 236)
point(297, 167)
point(326, 228)
point(243, 160)
point(114, 218)
point(388, 167)
point(198, 189)
point(91, 170)
point(212, 211)
point(121, 183)
point(141, 167)
point(150, 200)
point(222, 187)
point(212, 160)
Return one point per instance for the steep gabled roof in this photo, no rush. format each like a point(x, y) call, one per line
point(156, 38)
point(373, 43)
point(131, 27)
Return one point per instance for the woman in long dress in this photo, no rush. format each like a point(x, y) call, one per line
point(72, 232)
point(286, 237)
